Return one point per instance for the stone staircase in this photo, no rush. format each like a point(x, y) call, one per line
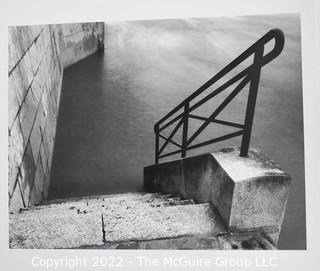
point(124, 221)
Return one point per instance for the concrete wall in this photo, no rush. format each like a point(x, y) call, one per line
point(37, 56)
point(77, 41)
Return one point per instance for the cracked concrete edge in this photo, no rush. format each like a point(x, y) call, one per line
point(224, 241)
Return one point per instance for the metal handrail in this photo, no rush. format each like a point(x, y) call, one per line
point(250, 74)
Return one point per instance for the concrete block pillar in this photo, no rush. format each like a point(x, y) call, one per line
point(250, 193)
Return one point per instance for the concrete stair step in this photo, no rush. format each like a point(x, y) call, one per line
point(161, 222)
point(172, 202)
point(103, 201)
point(121, 196)
point(75, 225)
point(216, 242)
point(135, 220)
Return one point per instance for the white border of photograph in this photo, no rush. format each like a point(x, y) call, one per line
point(61, 11)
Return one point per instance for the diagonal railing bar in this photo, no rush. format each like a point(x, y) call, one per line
point(276, 34)
point(214, 140)
point(210, 96)
point(170, 136)
point(228, 123)
point(223, 122)
point(250, 74)
point(224, 137)
point(171, 121)
point(171, 141)
point(220, 108)
point(221, 88)
point(170, 153)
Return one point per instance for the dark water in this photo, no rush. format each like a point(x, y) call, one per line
point(111, 101)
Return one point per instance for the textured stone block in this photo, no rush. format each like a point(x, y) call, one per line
point(48, 140)
point(40, 78)
point(38, 185)
point(45, 146)
point(40, 43)
point(36, 31)
point(17, 83)
point(15, 154)
point(35, 56)
point(27, 115)
point(25, 189)
point(46, 183)
point(65, 229)
point(24, 37)
point(16, 201)
point(166, 177)
point(45, 99)
point(37, 88)
point(257, 190)
point(57, 86)
point(43, 157)
point(15, 43)
point(13, 102)
point(46, 36)
point(222, 189)
point(67, 55)
point(197, 177)
point(13, 51)
point(26, 68)
point(35, 197)
point(35, 141)
point(27, 169)
point(36, 136)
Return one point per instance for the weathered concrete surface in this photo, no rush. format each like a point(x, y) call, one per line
point(134, 223)
point(78, 40)
point(37, 56)
point(260, 190)
point(220, 242)
point(93, 221)
point(250, 240)
point(127, 221)
point(63, 229)
point(249, 193)
point(165, 178)
point(34, 84)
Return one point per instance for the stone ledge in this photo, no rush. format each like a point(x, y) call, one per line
point(95, 221)
point(203, 242)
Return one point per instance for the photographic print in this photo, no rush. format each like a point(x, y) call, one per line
point(157, 134)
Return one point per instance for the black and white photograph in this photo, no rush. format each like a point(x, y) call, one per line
point(160, 133)
point(157, 134)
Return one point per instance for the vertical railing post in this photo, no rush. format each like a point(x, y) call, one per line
point(156, 131)
point(252, 97)
point(185, 130)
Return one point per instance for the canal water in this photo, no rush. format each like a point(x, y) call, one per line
point(110, 102)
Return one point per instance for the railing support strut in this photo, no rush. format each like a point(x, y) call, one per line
point(185, 130)
point(156, 132)
point(252, 97)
